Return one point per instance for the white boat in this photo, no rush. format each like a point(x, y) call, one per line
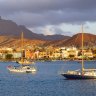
point(25, 65)
point(22, 69)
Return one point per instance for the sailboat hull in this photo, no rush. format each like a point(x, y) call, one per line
point(74, 76)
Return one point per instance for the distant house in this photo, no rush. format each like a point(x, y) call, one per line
point(17, 55)
point(88, 54)
point(69, 52)
point(65, 54)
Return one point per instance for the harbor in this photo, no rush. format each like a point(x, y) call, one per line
point(47, 48)
point(47, 81)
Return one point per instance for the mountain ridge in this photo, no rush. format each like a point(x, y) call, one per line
point(10, 33)
point(75, 40)
point(10, 28)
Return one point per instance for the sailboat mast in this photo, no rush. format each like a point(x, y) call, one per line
point(82, 50)
point(22, 49)
point(22, 40)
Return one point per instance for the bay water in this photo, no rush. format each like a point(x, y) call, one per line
point(47, 81)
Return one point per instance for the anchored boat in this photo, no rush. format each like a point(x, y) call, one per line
point(23, 60)
point(22, 69)
point(26, 66)
point(83, 73)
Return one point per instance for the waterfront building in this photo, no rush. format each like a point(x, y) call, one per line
point(16, 55)
point(88, 54)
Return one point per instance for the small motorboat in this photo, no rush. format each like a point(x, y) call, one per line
point(22, 69)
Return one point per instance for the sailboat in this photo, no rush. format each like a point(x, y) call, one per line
point(83, 73)
point(24, 61)
point(25, 65)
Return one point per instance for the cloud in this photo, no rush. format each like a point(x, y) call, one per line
point(52, 18)
point(56, 29)
point(45, 5)
point(40, 13)
point(46, 30)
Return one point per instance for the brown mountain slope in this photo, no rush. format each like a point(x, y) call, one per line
point(7, 41)
point(75, 40)
point(89, 41)
point(55, 43)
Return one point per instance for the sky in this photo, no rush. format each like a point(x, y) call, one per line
point(51, 16)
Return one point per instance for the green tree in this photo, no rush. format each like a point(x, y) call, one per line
point(8, 56)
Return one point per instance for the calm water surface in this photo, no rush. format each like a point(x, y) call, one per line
point(47, 81)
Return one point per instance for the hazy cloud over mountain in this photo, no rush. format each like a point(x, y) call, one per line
point(40, 14)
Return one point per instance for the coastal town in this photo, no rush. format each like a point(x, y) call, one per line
point(47, 53)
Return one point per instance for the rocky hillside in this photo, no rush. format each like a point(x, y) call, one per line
point(10, 28)
point(76, 40)
point(8, 41)
point(89, 41)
